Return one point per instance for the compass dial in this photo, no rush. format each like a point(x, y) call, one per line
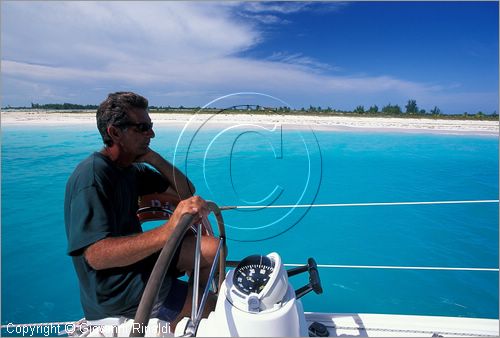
point(252, 274)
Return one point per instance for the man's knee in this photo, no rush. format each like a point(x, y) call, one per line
point(208, 251)
point(209, 248)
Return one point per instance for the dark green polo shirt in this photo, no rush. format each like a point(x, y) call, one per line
point(101, 201)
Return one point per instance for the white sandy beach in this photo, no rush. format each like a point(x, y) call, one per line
point(285, 121)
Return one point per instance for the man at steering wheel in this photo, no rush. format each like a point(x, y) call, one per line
point(112, 255)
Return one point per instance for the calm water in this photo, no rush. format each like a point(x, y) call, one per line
point(253, 167)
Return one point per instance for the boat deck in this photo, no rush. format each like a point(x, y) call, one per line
point(384, 325)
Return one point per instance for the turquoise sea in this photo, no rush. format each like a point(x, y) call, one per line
point(252, 166)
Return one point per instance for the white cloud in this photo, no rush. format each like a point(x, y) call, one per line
point(104, 32)
point(229, 71)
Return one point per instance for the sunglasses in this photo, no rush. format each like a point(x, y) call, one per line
point(140, 127)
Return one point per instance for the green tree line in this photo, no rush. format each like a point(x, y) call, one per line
point(411, 109)
point(58, 106)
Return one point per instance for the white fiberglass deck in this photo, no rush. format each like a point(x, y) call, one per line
point(384, 325)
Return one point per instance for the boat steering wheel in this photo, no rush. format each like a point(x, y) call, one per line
point(163, 262)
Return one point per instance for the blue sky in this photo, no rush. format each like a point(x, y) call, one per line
point(337, 54)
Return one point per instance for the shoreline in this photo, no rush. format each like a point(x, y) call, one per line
point(317, 123)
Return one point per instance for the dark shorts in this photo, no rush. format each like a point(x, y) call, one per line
point(169, 308)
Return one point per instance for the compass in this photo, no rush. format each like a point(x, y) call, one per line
point(258, 283)
point(252, 274)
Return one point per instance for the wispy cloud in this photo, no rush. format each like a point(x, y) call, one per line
point(276, 12)
point(264, 18)
point(289, 7)
point(274, 7)
point(301, 59)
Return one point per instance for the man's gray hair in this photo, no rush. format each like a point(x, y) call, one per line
point(113, 111)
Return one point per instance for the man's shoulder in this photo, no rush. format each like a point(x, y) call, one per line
point(94, 162)
point(94, 169)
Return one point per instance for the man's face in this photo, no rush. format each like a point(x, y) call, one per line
point(138, 133)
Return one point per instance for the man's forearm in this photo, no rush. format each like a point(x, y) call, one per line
point(115, 252)
point(180, 183)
